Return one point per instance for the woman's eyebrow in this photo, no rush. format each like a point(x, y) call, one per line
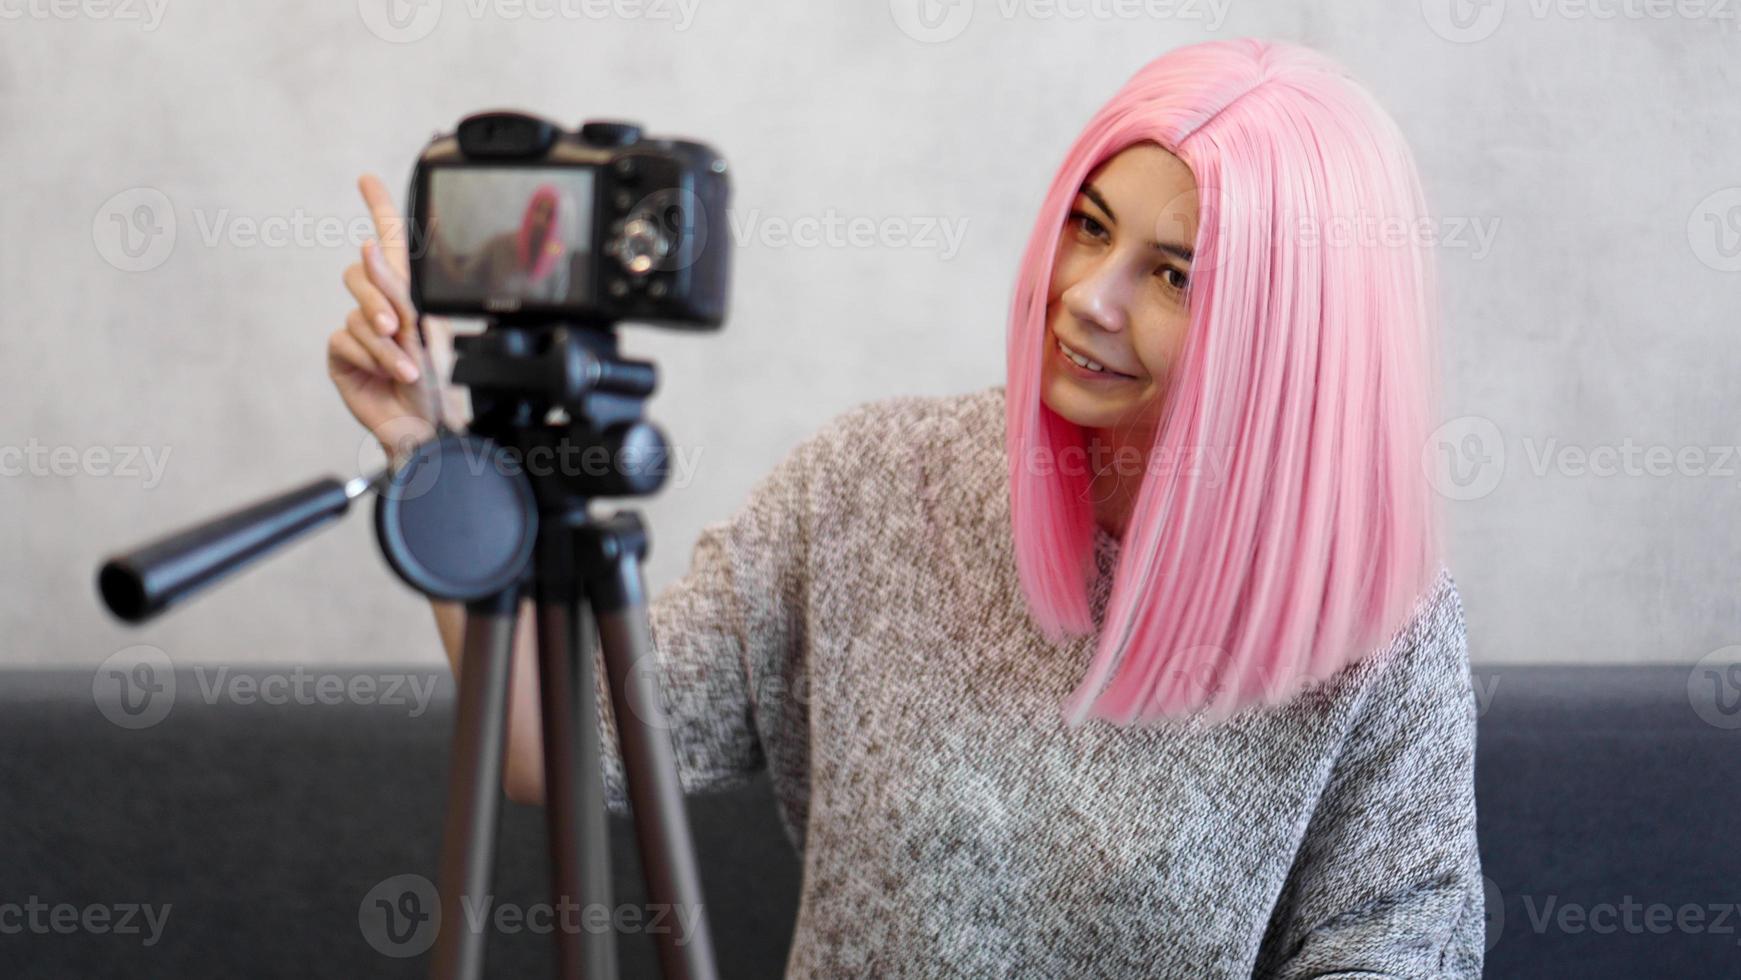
point(1182, 252)
point(1089, 192)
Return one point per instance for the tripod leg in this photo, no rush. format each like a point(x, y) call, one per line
point(574, 803)
point(474, 785)
point(668, 860)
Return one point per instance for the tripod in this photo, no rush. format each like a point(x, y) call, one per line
point(478, 518)
point(583, 573)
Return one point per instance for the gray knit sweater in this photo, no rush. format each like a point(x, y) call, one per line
point(857, 628)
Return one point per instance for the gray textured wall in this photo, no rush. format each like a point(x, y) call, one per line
point(1583, 160)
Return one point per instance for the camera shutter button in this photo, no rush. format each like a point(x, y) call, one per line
point(606, 132)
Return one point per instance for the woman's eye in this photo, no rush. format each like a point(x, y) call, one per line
point(1088, 225)
point(1174, 279)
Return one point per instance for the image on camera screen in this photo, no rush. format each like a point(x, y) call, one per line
point(502, 238)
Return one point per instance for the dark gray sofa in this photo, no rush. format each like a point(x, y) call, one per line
point(1603, 795)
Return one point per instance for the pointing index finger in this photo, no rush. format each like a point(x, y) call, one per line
point(389, 223)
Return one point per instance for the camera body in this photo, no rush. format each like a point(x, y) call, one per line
point(516, 219)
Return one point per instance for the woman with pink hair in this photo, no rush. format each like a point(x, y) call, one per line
point(1144, 663)
point(1278, 379)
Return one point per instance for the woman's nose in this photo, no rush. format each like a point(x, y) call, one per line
point(1098, 298)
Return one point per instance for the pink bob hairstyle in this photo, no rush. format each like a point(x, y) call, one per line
point(1309, 371)
point(540, 257)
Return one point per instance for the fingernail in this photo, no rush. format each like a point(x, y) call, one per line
point(386, 323)
point(407, 370)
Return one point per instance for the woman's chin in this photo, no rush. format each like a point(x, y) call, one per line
point(1078, 402)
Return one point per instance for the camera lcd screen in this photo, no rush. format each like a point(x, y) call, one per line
point(507, 238)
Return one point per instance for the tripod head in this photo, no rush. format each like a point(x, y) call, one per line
point(557, 422)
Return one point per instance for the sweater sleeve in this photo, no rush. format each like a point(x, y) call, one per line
point(730, 639)
point(1387, 881)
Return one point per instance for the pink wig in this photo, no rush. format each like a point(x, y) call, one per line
point(540, 257)
point(1309, 370)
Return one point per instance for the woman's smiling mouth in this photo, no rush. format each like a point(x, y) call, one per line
point(1082, 366)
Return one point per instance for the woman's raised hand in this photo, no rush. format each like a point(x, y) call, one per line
point(375, 360)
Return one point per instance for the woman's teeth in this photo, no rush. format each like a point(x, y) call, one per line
point(1085, 362)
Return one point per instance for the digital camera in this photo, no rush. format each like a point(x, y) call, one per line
point(516, 219)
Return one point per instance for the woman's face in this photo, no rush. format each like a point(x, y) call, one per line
point(1117, 294)
point(541, 211)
